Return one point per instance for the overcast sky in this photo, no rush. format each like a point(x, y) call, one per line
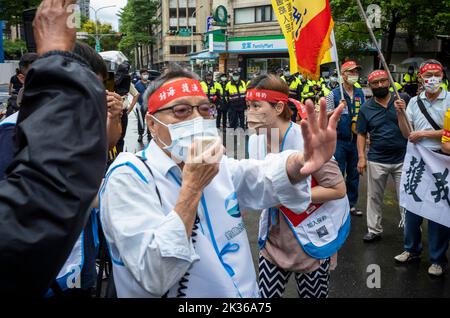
point(108, 15)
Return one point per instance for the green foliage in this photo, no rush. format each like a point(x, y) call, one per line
point(13, 49)
point(418, 18)
point(108, 43)
point(11, 10)
point(136, 21)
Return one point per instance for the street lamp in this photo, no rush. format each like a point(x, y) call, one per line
point(97, 36)
point(192, 37)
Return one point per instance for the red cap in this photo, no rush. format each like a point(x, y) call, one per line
point(349, 65)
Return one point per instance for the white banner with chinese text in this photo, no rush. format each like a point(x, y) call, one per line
point(425, 184)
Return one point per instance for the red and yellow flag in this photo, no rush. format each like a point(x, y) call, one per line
point(284, 11)
point(312, 26)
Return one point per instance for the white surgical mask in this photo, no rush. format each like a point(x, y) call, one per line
point(184, 133)
point(432, 84)
point(333, 79)
point(300, 76)
point(223, 79)
point(145, 77)
point(235, 78)
point(352, 79)
point(287, 73)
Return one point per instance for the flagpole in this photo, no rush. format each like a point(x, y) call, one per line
point(338, 69)
point(383, 61)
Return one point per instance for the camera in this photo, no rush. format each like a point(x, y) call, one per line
point(118, 65)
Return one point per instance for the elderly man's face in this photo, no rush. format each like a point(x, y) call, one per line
point(179, 110)
point(430, 73)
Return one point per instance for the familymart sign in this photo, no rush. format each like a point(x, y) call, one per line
point(270, 43)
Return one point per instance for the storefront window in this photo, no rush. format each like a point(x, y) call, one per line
point(265, 65)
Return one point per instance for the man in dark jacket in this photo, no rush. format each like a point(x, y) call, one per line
point(59, 162)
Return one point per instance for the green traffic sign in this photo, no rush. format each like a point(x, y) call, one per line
point(184, 32)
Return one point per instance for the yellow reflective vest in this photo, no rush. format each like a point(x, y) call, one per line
point(235, 96)
point(409, 79)
point(295, 87)
point(398, 86)
point(213, 90)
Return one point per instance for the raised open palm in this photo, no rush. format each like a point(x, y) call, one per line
point(319, 136)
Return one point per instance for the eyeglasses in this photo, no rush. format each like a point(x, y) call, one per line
point(185, 110)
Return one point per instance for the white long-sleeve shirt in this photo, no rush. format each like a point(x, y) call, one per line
point(151, 238)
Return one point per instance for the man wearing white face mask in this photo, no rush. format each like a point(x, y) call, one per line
point(426, 114)
point(171, 213)
point(346, 149)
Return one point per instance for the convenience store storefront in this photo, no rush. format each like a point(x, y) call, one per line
point(252, 54)
point(264, 54)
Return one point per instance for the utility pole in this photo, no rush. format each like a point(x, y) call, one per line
point(192, 37)
point(98, 36)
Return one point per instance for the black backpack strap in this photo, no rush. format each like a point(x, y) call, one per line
point(427, 115)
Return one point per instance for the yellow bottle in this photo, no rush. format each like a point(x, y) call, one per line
point(446, 135)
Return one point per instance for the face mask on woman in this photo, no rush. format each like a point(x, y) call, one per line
point(261, 118)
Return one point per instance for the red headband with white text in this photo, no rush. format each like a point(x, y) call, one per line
point(184, 87)
point(377, 74)
point(430, 67)
point(266, 95)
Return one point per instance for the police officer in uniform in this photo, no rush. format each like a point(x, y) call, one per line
point(295, 86)
point(214, 92)
point(410, 82)
point(334, 81)
point(346, 150)
point(235, 94)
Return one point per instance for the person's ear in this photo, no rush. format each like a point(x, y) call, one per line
point(151, 124)
point(279, 107)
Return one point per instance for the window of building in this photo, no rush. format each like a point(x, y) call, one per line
point(244, 15)
point(173, 22)
point(173, 4)
point(182, 22)
point(254, 15)
point(263, 14)
point(192, 3)
point(172, 13)
point(182, 12)
point(179, 49)
point(191, 11)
